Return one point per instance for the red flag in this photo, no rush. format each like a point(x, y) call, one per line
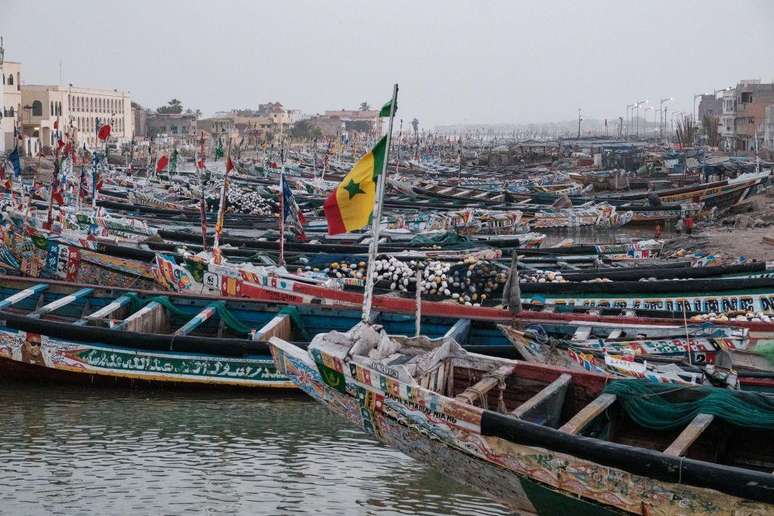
point(229, 165)
point(162, 163)
point(57, 195)
point(104, 132)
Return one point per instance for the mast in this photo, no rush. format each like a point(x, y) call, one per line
point(373, 247)
point(222, 206)
point(282, 217)
point(202, 200)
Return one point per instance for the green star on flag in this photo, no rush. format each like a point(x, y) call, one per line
point(353, 188)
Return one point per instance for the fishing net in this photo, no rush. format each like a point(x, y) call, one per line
point(295, 318)
point(224, 313)
point(766, 350)
point(658, 407)
point(447, 239)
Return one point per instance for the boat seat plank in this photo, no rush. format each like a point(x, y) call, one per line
point(582, 333)
point(143, 320)
point(482, 387)
point(280, 326)
point(588, 413)
point(104, 311)
point(22, 295)
point(551, 398)
point(60, 303)
point(459, 331)
point(199, 319)
point(615, 333)
point(689, 434)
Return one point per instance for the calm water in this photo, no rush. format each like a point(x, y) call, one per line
point(78, 450)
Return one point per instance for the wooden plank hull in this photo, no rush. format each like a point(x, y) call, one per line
point(31, 352)
point(457, 438)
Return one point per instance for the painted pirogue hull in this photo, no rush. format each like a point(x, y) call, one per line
point(462, 441)
point(31, 355)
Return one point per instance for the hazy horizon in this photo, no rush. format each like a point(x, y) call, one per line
point(457, 62)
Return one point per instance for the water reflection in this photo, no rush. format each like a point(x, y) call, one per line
point(69, 450)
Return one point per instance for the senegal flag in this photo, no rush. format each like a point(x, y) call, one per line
point(350, 205)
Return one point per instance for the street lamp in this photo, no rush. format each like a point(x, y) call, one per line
point(662, 114)
point(637, 120)
point(628, 119)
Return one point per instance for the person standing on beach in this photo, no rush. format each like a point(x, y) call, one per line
point(689, 224)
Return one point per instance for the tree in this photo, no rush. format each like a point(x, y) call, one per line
point(415, 125)
point(686, 132)
point(364, 106)
point(710, 125)
point(173, 107)
point(304, 129)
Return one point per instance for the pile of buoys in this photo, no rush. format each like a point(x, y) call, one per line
point(540, 276)
point(471, 281)
point(733, 316)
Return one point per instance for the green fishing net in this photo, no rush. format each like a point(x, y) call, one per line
point(660, 406)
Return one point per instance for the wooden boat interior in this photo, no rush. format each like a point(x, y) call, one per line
point(574, 402)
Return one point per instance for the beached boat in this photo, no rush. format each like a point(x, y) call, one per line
point(543, 439)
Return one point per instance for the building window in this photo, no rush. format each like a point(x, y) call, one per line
point(37, 108)
point(10, 79)
point(746, 97)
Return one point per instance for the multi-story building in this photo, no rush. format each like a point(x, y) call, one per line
point(727, 126)
point(216, 125)
point(358, 120)
point(10, 101)
point(752, 99)
point(768, 131)
point(172, 125)
point(710, 105)
point(743, 115)
point(140, 120)
point(76, 111)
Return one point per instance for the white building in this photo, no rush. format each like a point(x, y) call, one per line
point(77, 111)
point(10, 100)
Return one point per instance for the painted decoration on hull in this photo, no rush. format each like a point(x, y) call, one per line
point(77, 357)
point(523, 477)
point(705, 304)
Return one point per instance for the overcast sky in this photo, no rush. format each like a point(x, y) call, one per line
point(456, 61)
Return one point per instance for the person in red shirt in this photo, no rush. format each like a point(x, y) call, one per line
point(689, 224)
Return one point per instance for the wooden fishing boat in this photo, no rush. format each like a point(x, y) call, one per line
point(754, 294)
point(542, 439)
point(695, 355)
point(92, 334)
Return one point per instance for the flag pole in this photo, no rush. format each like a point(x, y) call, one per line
point(202, 200)
point(221, 208)
point(282, 217)
point(373, 247)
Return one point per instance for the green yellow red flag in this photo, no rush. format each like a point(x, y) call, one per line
point(350, 205)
